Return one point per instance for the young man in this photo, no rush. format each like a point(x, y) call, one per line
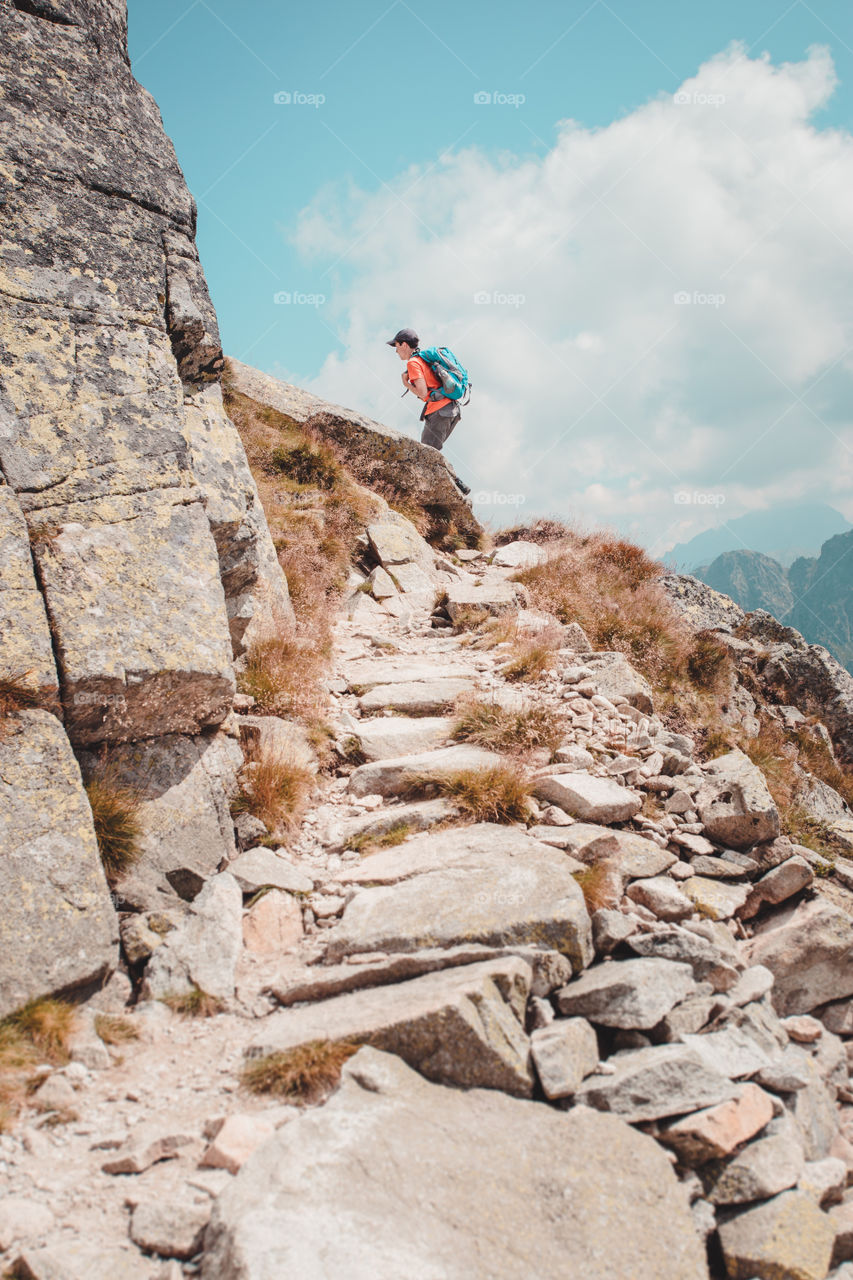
point(438, 416)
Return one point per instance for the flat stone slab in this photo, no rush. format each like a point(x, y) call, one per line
point(420, 815)
point(489, 887)
point(295, 1207)
point(589, 798)
point(461, 1026)
point(384, 737)
point(396, 776)
point(439, 850)
point(715, 899)
point(416, 697)
point(633, 994)
point(367, 673)
point(648, 1084)
point(715, 1132)
point(319, 982)
point(495, 597)
point(261, 868)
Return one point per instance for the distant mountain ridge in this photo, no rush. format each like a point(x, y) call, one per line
point(814, 595)
point(784, 534)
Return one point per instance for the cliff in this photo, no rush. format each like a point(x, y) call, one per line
point(137, 562)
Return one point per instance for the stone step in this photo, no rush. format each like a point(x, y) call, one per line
point(368, 672)
point(461, 1026)
point(415, 697)
point(486, 884)
point(384, 737)
point(395, 776)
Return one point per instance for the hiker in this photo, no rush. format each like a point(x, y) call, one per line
point(438, 416)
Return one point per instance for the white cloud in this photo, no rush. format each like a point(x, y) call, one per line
point(599, 396)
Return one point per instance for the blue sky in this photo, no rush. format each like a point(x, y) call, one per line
point(377, 184)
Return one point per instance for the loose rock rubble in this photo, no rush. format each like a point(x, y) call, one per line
point(700, 1005)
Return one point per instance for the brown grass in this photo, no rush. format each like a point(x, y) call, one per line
point(366, 842)
point(530, 659)
point(305, 1074)
point(488, 724)
point(17, 693)
point(194, 1004)
point(116, 813)
point(600, 886)
point(275, 787)
point(113, 1029)
point(611, 588)
point(315, 513)
point(540, 531)
point(499, 794)
point(39, 1032)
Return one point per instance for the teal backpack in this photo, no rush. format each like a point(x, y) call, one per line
point(451, 373)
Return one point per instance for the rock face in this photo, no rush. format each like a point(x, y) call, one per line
point(371, 452)
point(424, 1209)
point(58, 929)
point(135, 560)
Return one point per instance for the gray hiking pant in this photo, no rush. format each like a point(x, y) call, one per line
point(439, 424)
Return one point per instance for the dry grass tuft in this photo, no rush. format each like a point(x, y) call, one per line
point(499, 794)
point(283, 673)
point(540, 531)
point(39, 1032)
point(194, 1004)
point(529, 660)
point(305, 1074)
point(600, 885)
point(17, 693)
point(315, 513)
point(275, 787)
point(114, 1029)
point(488, 724)
point(116, 814)
point(367, 842)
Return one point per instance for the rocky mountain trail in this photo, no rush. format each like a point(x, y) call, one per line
point(643, 943)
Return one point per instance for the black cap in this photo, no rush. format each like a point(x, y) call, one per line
point(405, 335)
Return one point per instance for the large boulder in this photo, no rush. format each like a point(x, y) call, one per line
point(462, 1026)
point(809, 951)
point(58, 929)
point(564, 1194)
point(152, 551)
point(614, 675)
point(787, 1236)
point(483, 884)
point(735, 803)
point(374, 454)
point(184, 785)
